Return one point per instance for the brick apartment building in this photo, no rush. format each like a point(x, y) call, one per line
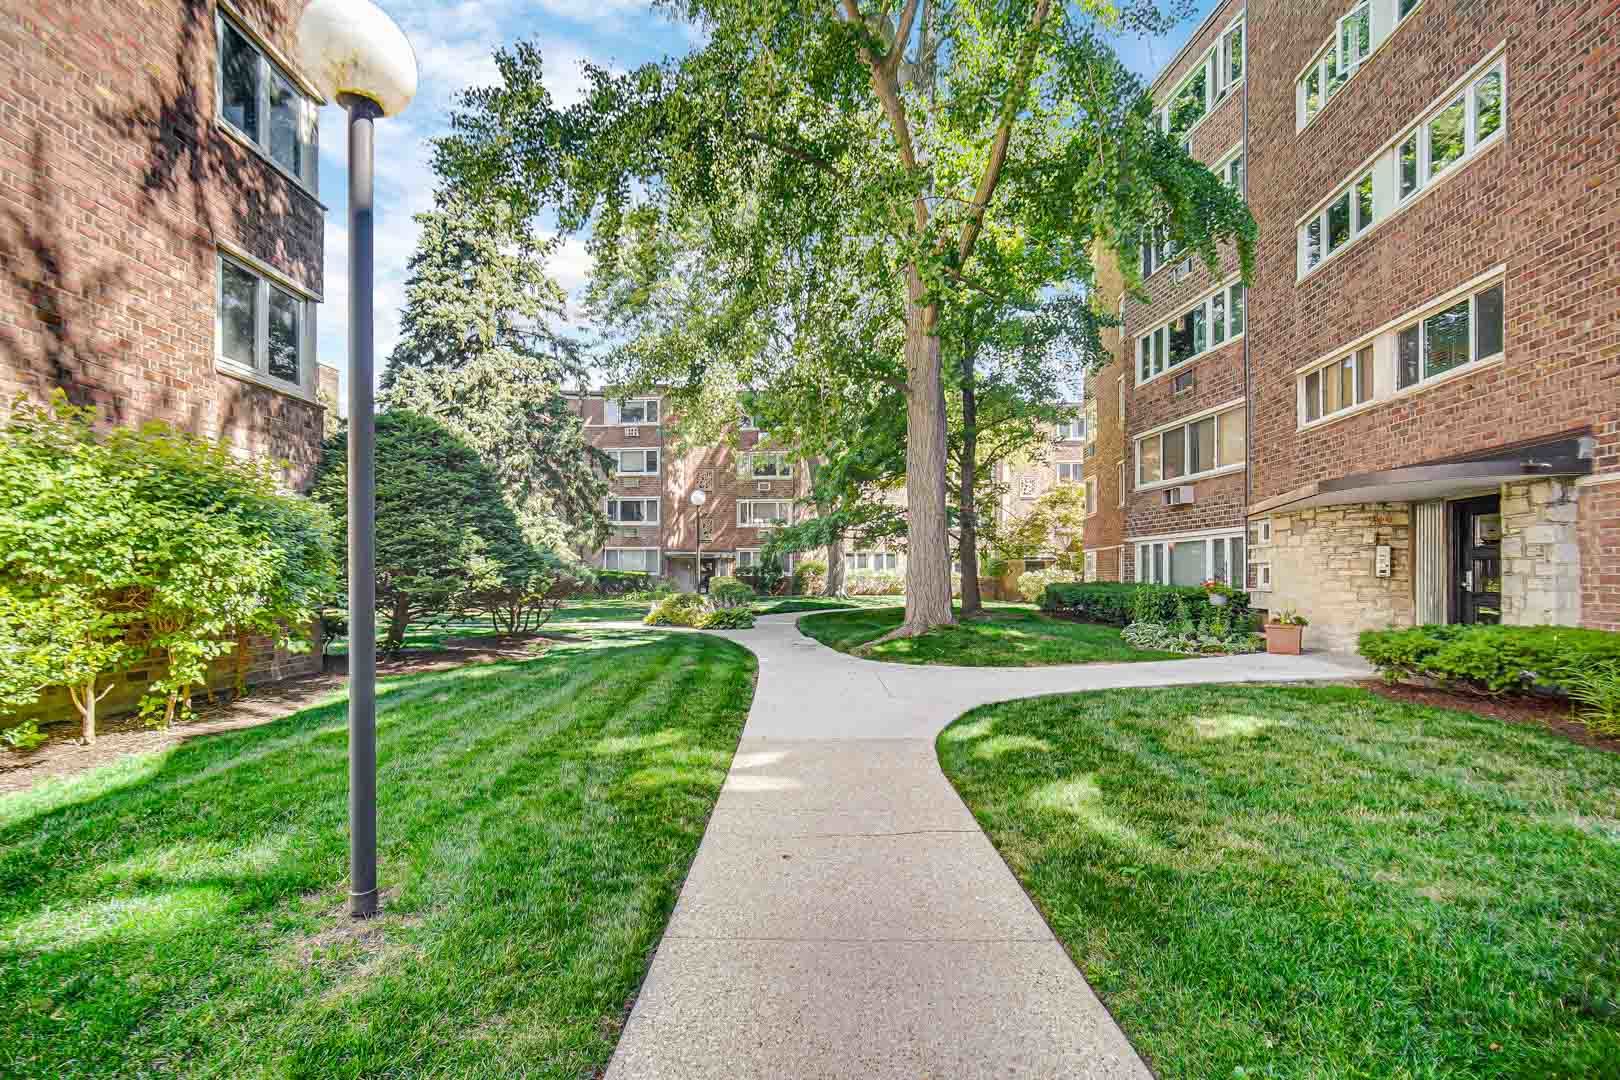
point(1413, 414)
point(160, 224)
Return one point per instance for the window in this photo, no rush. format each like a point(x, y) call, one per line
point(641, 560)
point(261, 327)
point(1091, 566)
point(1192, 561)
point(1260, 532)
point(1190, 103)
point(1454, 132)
point(1091, 496)
point(633, 511)
point(1158, 250)
point(1464, 333)
point(1347, 215)
point(1121, 467)
point(872, 561)
point(1229, 63)
point(259, 101)
point(763, 513)
point(1068, 472)
point(1215, 321)
point(634, 462)
point(1073, 430)
point(1192, 449)
point(1208, 83)
point(1355, 36)
point(632, 412)
point(1232, 171)
point(1260, 576)
point(1121, 386)
point(1342, 384)
point(767, 464)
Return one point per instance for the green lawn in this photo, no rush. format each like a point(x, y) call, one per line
point(1315, 882)
point(435, 634)
point(601, 609)
point(792, 604)
point(1007, 636)
point(183, 912)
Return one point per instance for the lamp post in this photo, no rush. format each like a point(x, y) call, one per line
point(357, 56)
point(698, 499)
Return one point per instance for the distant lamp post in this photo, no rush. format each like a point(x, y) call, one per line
point(357, 56)
point(698, 499)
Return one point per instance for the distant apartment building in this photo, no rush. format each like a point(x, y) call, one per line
point(1412, 415)
point(161, 244)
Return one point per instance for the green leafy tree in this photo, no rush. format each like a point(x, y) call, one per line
point(479, 351)
point(148, 543)
point(911, 129)
point(446, 537)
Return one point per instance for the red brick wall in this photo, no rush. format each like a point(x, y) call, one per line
point(1599, 531)
point(1544, 201)
point(116, 187)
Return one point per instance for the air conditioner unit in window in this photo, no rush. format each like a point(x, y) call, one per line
point(1179, 496)
point(632, 432)
point(763, 486)
point(1182, 271)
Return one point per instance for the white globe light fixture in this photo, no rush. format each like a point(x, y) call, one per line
point(698, 498)
point(358, 57)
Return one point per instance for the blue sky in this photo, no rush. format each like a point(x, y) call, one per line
point(455, 44)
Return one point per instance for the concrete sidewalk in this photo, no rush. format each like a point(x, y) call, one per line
point(846, 917)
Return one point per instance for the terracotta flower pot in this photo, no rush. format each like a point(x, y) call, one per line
point(1284, 640)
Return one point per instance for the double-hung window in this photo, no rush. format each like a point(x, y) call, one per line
point(1073, 429)
point(763, 513)
point(1342, 384)
point(632, 412)
point(1091, 496)
point(262, 104)
point(1453, 132)
point(1217, 319)
point(633, 511)
point(640, 560)
point(634, 462)
point(1187, 451)
point(1467, 332)
point(767, 465)
point(1192, 561)
point(263, 327)
point(1069, 472)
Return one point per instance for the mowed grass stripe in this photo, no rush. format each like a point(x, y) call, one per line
point(536, 826)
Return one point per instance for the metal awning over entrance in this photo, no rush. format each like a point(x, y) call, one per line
point(1419, 483)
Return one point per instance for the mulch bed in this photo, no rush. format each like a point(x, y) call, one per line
point(1551, 714)
point(63, 755)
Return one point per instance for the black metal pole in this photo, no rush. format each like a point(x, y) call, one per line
point(362, 519)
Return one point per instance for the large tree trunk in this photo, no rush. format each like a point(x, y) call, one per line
point(928, 555)
point(968, 547)
point(834, 583)
point(398, 619)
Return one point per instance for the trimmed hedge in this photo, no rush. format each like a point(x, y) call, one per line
point(1493, 659)
point(1119, 603)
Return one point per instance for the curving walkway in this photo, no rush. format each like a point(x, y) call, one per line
point(846, 917)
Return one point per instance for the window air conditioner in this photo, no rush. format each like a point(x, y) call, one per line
point(1179, 496)
point(763, 486)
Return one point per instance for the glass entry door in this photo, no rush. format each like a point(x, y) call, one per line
point(1477, 526)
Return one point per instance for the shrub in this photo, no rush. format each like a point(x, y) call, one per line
point(1032, 585)
point(1121, 603)
point(682, 609)
point(1150, 635)
point(727, 593)
point(1597, 690)
point(622, 582)
point(124, 546)
point(809, 577)
point(1490, 659)
point(23, 736)
point(870, 584)
point(766, 577)
point(737, 618)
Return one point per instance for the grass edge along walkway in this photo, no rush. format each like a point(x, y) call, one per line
point(186, 908)
point(1314, 881)
point(1004, 636)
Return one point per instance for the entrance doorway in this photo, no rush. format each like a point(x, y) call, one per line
point(1476, 525)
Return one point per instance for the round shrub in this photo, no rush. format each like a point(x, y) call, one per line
point(682, 609)
point(727, 592)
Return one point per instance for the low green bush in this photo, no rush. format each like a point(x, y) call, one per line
point(1491, 659)
point(727, 592)
point(1032, 585)
point(809, 576)
point(681, 609)
point(1120, 603)
point(1159, 637)
point(737, 618)
point(1596, 689)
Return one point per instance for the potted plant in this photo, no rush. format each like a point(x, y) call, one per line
point(1285, 631)
point(1215, 589)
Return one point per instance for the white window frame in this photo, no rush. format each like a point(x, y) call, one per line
point(1070, 472)
point(309, 172)
point(1384, 167)
point(1184, 427)
point(1090, 565)
point(657, 559)
point(1072, 430)
point(783, 464)
point(1123, 488)
point(1091, 496)
point(1236, 569)
point(1420, 324)
point(618, 453)
point(1262, 577)
point(1223, 167)
point(259, 370)
point(872, 562)
point(1259, 532)
point(744, 521)
point(657, 504)
point(1231, 293)
point(613, 412)
point(1218, 80)
point(1364, 354)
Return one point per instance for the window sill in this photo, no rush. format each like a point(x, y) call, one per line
point(1342, 414)
point(258, 378)
point(1160, 485)
point(1461, 372)
point(242, 139)
point(1187, 365)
